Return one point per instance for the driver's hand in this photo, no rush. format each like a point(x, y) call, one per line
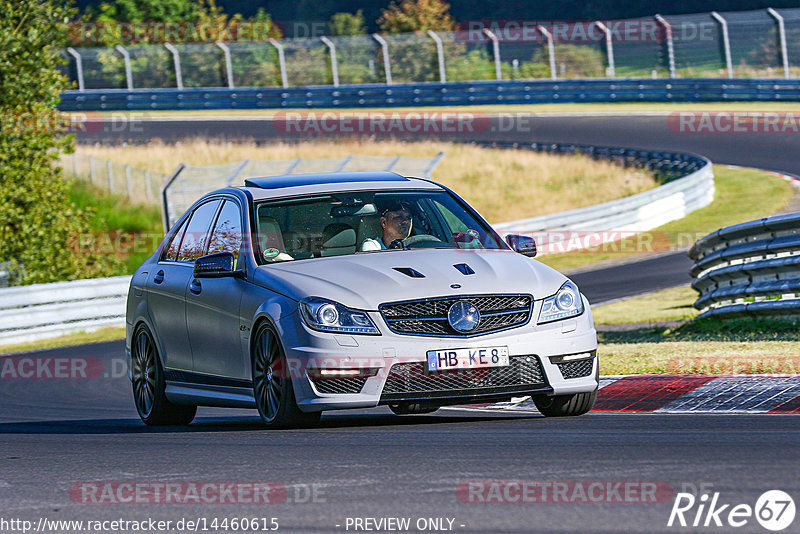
point(397, 243)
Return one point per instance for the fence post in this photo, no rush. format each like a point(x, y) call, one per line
point(165, 202)
point(609, 48)
point(387, 68)
point(670, 45)
point(110, 169)
point(228, 67)
point(726, 42)
point(281, 61)
point(550, 50)
point(439, 54)
point(78, 66)
point(147, 193)
point(126, 58)
point(91, 169)
point(496, 52)
point(176, 62)
point(128, 181)
point(782, 37)
point(334, 63)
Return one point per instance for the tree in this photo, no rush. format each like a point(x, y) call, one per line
point(417, 15)
point(38, 223)
point(348, 23)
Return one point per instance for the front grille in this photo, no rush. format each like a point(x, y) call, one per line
point(428, 317)
point(414, 377)
point(577, 369)
point(339, 385)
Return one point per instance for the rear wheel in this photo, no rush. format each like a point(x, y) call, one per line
point(272, 383)
point(408, 408)
point(147, 380)
point(565, 405)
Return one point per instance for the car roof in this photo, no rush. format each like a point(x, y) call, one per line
point(327, 182)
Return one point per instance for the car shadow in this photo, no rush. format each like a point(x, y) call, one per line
point(246, 424)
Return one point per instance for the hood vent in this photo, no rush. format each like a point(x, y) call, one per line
point(464, 269)
point(408, 271)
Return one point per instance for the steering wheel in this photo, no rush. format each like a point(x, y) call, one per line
point(419, 238)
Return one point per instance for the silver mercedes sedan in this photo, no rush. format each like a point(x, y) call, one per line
point(303, 293)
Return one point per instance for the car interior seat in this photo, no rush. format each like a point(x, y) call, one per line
point(270, 238)
point(338, 239)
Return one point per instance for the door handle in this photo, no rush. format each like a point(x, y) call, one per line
point(195, 287)
point(159, 277)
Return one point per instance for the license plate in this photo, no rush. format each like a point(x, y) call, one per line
point(478, 358)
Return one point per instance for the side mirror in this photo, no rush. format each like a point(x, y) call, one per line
point(214, 265)
point(523, 244)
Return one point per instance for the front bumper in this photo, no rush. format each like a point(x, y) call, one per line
point(308, 349)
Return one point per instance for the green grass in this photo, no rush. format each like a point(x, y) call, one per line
point(130, 231)
point(602, 107)
point(80, 338)
point(702, 346)
point(742, 194)
point(668, 305)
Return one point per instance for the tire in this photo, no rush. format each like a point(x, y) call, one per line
point(565, 405)
point(147, 382)
point(272, 383)
point(408, 408)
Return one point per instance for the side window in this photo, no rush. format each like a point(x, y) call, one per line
point(171, 253)
point(195, 238)
point(227, 233)
point(456, 224)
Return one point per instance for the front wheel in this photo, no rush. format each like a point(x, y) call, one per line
point(147, 379)
point(272, 383)
point(565, 405)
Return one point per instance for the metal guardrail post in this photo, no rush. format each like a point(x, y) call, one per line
point(334, 63)
point(91, 169)
point(432, 165)
point(726, 42)
point(609, 47)
point(228, 66)
point(782, 38)
point(439, 54)
point(128, 181)
point(550, 50)
point(670, 44)
point(392, 163)
point(147, 192)
point(176, 62)
point(126, 57)
point(387, 67)
point(281, 61)
point(292, 166)
point(110, 170)
point(495, 52)
point(75, 164)
point(164, 200)
point(239, 168)
point(78, 66)
point(343, 164)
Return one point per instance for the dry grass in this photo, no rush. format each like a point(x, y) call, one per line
point(503, 185)
point(80, 338)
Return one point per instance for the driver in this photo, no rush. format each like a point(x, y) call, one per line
point(396, 224)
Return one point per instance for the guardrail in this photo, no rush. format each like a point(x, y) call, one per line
point(438, 94)
point(29, 313)
point(749, 269)
point(690, 186)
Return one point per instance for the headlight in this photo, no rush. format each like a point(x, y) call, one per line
point(329, 316)
point(564, 304)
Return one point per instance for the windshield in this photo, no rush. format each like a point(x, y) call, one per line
point(364, 223)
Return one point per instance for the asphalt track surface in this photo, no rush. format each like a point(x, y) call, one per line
point(58, 433)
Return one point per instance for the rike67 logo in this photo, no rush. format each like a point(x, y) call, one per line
point(774, 510)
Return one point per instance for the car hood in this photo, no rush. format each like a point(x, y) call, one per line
point(363, 281)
